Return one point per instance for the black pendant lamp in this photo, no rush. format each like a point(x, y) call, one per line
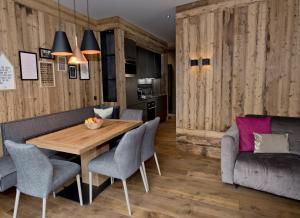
point(61, 45)
point(89, 43)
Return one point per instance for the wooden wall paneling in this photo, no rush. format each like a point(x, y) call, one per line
point(260, 61)
point(294, 93)
point(208, 70)
point(185, 72)
point(179, 72)
point(202, 75)
point(250, 58)
point(278, 67)
point(217, 72)
point(120, 68)
point(227, 68)
point(239, 60)
point(192, 73)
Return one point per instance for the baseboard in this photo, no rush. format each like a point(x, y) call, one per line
point(199, 142)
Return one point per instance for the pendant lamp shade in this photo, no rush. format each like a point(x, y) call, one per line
point(77, 57)
point(89, 43)
point(61, 45)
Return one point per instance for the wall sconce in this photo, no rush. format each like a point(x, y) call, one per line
point(205, 61)
point(194, 63)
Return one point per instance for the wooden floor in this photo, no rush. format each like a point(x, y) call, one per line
point(190, 186)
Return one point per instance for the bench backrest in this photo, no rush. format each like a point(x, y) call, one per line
point(22, 130)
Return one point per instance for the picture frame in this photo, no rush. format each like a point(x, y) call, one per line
point(61, 63)
point(84, 71)
point(47, 75)
point(45, 54)
point(72, 70)
point(28, 65)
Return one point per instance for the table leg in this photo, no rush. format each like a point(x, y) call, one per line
point(86, 158)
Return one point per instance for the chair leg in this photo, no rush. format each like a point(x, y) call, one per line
point(144, 169)
point(126, 196)
point(16, 203)
point(79, 189)
point(112, 180)
point(144, 180)
point(91, 186)
point(44, 207)
point(54, 195)
point(156, 160)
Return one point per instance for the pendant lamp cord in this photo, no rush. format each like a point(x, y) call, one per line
point(88, 13)
point(59, 15)
point(74, 1)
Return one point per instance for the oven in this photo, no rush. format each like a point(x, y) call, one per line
point(151, 110)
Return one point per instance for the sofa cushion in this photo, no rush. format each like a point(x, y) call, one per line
point(247, 126)
point(290, 125)
point(275, 173)
point(8, 175)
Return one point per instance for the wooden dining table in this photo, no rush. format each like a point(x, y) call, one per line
point(86, 143)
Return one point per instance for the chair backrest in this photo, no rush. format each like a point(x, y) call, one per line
point(148, 145)
point(34, 170)
point(131, 114)
point(128, 152)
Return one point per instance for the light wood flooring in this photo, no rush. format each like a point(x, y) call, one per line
point(190, 186)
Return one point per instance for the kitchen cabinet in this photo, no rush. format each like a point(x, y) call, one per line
point(148, 64)
point(108, 60)
point(130, 49)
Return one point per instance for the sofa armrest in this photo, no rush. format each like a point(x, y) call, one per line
point(229, 152)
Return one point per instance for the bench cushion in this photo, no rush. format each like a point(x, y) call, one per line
point(8, 175)
point(275, 173)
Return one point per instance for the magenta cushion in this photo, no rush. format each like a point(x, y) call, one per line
point(248, 125)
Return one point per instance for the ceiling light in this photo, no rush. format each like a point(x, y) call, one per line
point(61, 45)
point(89, 43)
point(77, 57)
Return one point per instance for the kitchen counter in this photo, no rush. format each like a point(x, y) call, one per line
point(160, 102)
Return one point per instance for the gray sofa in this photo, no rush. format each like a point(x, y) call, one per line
point(275, 173)
point(20, 131)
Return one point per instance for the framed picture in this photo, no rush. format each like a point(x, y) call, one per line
point(61, 63)
point(84, 72)
point(7, 73)
point(47, 74)
point(28, 65)
point(46, 53)
point(72, 71)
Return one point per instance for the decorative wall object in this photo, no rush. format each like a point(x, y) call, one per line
point(46, 53)
point(61, 63)
point(72, 71)
point(47, 74)
point(84, 72)
point(7, 75)
point(28, 65)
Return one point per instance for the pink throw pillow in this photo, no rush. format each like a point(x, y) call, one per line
point(248, 125)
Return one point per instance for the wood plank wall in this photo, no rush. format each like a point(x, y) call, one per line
point(31, 24)
point(254, 47)
point(27, 29)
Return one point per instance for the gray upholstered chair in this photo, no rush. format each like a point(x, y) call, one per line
point(122, 162)
point(131, 114)
point(38, 176)
point(148, 145)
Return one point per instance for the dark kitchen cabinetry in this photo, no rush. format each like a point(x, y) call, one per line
point(130, 49)
point(108, 66)
point(161, 107)
point(148, 64)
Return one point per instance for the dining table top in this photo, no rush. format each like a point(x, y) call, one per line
point(79, 139)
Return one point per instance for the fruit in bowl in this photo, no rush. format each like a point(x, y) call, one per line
point(93, 123)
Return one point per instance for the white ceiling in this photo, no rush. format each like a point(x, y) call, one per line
point(151, 15)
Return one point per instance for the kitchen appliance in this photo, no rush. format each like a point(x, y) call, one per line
point(151, 110)
point(130, 68)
